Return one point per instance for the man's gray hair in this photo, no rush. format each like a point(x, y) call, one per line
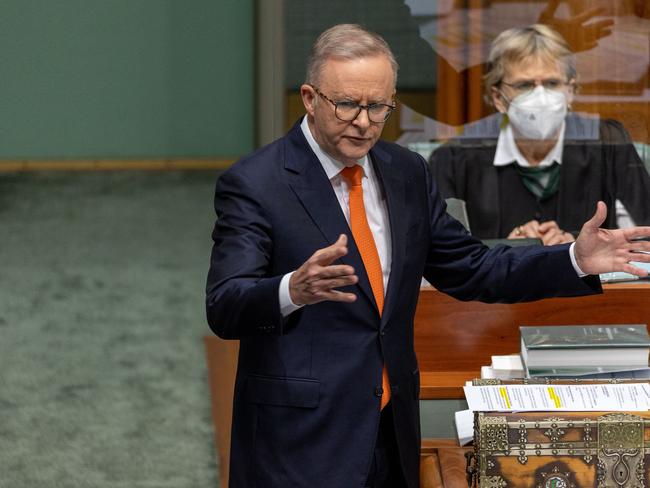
point(520, 43)
point(346, 41)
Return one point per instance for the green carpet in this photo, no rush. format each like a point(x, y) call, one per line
point(102, 370)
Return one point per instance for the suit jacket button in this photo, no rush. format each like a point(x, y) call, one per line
point(379, 391)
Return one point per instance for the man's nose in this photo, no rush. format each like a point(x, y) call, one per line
point(362, 120)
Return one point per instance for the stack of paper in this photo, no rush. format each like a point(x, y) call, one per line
point(504, 367)
point(617, 276)
point(599, 397)
point(578, 398)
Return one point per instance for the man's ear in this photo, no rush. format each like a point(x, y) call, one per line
point(498, 100)
point(308, 96)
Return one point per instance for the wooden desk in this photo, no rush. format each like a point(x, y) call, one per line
point(454, 339)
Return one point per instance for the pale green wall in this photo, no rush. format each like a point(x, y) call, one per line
point(126, 78)
point(437, 417)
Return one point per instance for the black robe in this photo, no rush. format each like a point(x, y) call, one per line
point(599, 162)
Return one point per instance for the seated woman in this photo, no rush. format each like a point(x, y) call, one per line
point(535, 169)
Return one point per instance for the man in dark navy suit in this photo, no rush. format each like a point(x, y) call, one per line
point(321, 242)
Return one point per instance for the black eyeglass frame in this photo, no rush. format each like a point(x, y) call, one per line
point(359, 108)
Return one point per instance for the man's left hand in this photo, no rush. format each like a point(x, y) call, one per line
point(604, 251)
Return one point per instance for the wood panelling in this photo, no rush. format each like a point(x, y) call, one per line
point(222, 365)
point(454, 339)
point(12, 166)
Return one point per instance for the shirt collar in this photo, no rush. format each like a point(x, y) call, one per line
point(507, 151)
point(331, 166)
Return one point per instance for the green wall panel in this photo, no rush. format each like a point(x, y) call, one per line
point(126, 78)
point(437, 417)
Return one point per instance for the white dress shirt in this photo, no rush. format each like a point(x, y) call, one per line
point(374, 201)
point(507, 151)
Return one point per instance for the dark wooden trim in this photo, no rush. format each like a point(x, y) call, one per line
point(28, 165)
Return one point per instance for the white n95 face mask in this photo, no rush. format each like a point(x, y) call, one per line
point(538, 114)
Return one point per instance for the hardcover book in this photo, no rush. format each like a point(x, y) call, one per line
point(585, 348)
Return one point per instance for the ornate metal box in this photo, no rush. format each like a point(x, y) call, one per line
point(560, 450)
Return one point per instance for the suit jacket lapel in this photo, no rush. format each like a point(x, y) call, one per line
point(394, 187)
point(309, 182)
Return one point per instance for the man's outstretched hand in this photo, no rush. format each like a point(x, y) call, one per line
point(604, 251)
point(318, 279)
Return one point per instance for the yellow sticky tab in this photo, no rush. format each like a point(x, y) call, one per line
point(504, 394)
point(554, 397)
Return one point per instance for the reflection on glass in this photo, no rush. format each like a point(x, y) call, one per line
point(588, 144)
point(534, 169)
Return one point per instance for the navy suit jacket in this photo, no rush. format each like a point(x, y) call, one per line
point(306, 406)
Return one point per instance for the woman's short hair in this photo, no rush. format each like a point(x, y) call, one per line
point(520, 43)
point(346, 41)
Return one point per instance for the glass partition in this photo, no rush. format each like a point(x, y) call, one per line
point(529, 127)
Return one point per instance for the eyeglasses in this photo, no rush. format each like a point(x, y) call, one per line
point(526, 86)
point(348, 111)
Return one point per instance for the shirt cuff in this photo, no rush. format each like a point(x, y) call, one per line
point(572, 254)
point(286, 305)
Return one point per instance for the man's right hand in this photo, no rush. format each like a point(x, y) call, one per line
point(317, 279)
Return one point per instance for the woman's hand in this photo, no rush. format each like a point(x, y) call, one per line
point(527, 230)
point(550, 234)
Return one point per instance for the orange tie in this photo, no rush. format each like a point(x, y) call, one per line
point(369, 255)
